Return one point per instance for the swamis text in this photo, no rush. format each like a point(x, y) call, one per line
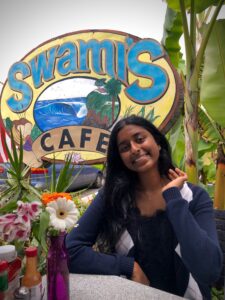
point(117, 59)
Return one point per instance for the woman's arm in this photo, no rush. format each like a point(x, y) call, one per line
point(82, 257)
point(194, 227)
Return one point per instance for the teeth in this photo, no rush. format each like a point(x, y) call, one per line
point(136, 159)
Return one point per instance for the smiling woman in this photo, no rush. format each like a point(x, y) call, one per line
point(137, 148)
point(147, 220)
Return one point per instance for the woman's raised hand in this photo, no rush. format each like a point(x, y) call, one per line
point(177, 178)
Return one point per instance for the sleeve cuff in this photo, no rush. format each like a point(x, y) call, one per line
point(127, 266)
point(171, 194)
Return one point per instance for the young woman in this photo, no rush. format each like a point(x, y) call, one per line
point(149, 223)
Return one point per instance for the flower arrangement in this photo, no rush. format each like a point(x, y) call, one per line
point(17, 225)
point(56, 212)
point(28, 215)
point(31, 223)
point(63, 213)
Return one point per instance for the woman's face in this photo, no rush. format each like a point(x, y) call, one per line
point(138, 149)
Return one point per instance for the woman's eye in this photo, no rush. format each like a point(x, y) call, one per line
point(123, 148)
point(140, 139)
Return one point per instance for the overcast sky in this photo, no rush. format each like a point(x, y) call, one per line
point(24, 24)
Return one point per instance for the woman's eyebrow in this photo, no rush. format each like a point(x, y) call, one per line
point(122, 143)
point(133, 136)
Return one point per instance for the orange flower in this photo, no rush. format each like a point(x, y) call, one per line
point(47, 197)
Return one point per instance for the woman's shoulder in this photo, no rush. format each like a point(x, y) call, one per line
point(196, 188)
point(196, 194)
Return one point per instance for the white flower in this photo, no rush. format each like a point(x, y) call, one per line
point(63, 213)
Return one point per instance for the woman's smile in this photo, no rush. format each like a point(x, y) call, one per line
point(140, 158)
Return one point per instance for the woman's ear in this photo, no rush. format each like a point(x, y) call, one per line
point(159, 147)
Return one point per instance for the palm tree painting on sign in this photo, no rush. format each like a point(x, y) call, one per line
point(103, 104)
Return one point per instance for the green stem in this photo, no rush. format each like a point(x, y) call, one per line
point(187, 39)
point(193, 26)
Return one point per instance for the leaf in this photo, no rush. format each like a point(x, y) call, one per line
point(25, 171)
point(204, 147)
point(65, 176)
point(9, 207)
point(15, 157)
point(20, 159)
point(176, 140)
point(15, 160)
point(53, 177)
point(175, 5)
point(25, 183)
point(44, 223)
point(213, 76)
point(18, 185)
point(200, 4)
point(172, 31)
point(208, 128)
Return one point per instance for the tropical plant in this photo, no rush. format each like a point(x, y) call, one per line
point(62, 182)
point(209, 138)
point(194, 61)
point(17, 185)
point(212, 98)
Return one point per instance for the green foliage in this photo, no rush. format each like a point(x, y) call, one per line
point(213, 76)
point(39, 229)
point(65, 177)
point(217, 294)
point(200, 4)
point(195, 50)
point(176, 140)
point(207, 166)
point(172, 31)
point(17, 184)
point(205, 147)
point(142, 113)
point(208, 128)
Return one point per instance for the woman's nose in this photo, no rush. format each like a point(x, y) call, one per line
point(135, 148)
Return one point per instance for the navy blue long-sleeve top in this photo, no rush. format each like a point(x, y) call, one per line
point(198, 257)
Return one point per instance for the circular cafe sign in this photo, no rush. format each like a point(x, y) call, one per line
point(67, 94)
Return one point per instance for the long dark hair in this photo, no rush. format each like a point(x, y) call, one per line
point(120, 183)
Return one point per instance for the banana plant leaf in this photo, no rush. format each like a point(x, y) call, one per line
point(199, 4)
point(172, 31)
point(213, 76)
point(208, 128)
point(176, 139)
point(204, 147)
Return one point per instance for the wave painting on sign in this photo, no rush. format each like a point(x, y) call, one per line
point(77, 101)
